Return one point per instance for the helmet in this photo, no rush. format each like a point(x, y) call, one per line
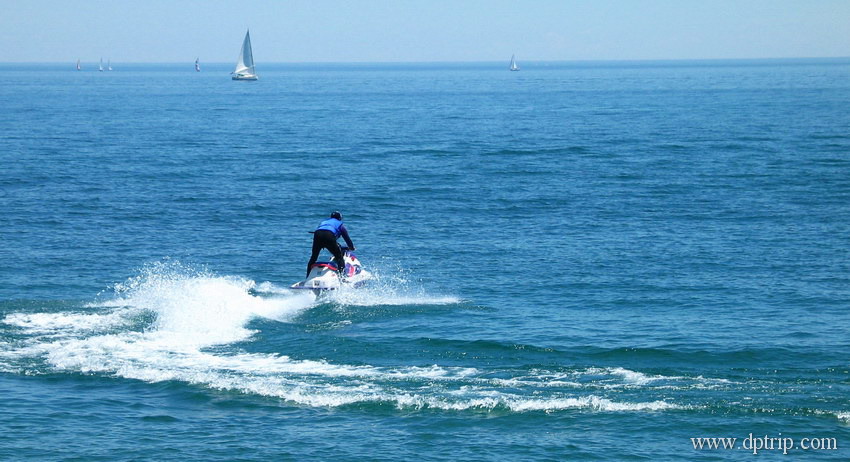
point(336, 215)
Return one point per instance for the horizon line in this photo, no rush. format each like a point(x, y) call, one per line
point(539, 61)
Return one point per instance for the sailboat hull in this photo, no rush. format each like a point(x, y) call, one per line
point(244, 77)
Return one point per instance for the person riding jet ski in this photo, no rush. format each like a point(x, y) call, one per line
point(325, 237)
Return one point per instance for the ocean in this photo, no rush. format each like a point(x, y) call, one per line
point(577, 261)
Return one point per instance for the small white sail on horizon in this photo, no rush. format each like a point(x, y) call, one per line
point(197, 65)
point(514, 66)
point(245, 64)
point(78, 65)
point(100, 67)
point(108, 64)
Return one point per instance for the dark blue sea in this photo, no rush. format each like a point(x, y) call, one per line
point(577, 261)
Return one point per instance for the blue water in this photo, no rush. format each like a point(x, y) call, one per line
point(574, 262)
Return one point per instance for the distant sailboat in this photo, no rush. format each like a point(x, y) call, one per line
point(78, 65)
point(245, 65)
point(100, 67)
point(197, 65)
point(108, 65)
point(514, 67)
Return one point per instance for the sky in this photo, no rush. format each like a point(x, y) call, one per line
point(165, 31)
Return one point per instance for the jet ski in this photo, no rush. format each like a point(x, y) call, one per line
point(324, 275)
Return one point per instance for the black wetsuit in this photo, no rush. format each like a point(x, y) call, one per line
point(324, 239)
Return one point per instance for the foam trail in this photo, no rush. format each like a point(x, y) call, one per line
point(174, 323)
point(378, 291)
point(187, 309)
point(202, 308)
point(70, 322)
point(394, 290)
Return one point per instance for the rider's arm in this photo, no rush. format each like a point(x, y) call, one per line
point(344, 233)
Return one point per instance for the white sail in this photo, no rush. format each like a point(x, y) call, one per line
point(245, 64)
point(197, 65)
point(78, 65)
point(514, 67)
point(108, 64)
point(100, 68)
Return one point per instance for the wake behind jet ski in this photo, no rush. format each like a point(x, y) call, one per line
point(325, 275)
